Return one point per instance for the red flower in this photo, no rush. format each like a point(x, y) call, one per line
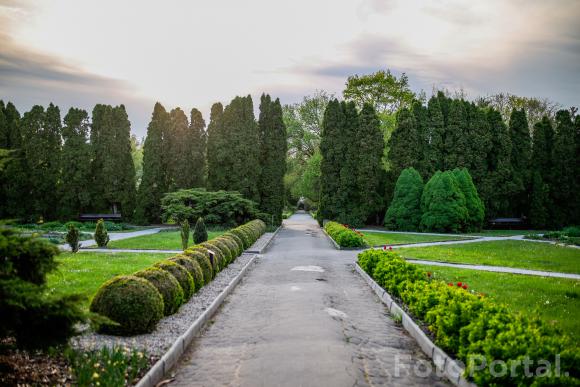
point(459, 284)
point(464, 286)
point(385, 247)
point(429, 274)
point(450, 284)
point(390, 247)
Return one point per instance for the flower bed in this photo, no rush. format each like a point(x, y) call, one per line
point(343, 235)
point(499, 347)
point(135, 304)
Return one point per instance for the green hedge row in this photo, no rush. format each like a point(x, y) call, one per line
point(343, 235)
point(134, 304)
point(475, 329)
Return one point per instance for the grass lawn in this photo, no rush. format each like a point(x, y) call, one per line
point(555, 300)
point(85, 272)
point(501, 233)
point(168, 240)
point(379, 238)
point(521, 254)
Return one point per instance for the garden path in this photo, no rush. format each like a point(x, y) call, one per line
point(303, 317)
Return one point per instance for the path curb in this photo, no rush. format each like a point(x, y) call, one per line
point(171, 357)
point(266, 245)
point(444, 363)
point(338, 247)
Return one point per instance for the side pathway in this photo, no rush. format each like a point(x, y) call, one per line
point(304, 317)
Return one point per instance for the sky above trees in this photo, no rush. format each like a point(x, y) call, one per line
point(192, 54)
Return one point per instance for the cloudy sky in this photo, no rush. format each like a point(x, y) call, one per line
point(194, 53)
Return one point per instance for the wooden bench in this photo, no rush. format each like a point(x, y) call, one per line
point(508, 223)
point(95, 217)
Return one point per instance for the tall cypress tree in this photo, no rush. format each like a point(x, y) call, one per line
point(331, 149)
point(564, 172)
point(520, 158)
point(404, 213)
point(217, 151)
point(404, 144)
point(348, 193)
point(178, 151)
point(41, 132)
point(101, 139)
point(436, 136)
point(473, 204)
point(153, 183)
point(370, 145)
point(196, 139)
point(576, 215)
point(541, 207)
point(422, 123)
point(75, 197)
point(456, 136)
point(480, 143)
point(126, 190)
point(272, 140)
point(499, 179)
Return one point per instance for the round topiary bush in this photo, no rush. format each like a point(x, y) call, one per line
point(238, 241)
point(225, 249)
point(232, 245)
point(198, 249)
point(203, 262)
point(181, 275)
point(219, 261)
point(192, 267)
point(167, 286)
point(132, 302)
point(244, 237)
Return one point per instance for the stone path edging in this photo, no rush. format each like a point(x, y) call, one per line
point(332, 241)
point(170, 358)
point(446, 364)
point(265, 246)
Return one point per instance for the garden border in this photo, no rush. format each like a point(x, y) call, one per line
point(338, 247)
point(446, 364)
point(158, 371)
point(171, 357)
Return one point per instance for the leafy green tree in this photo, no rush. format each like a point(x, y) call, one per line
point(197, 139)
point(404, 213)
point(153, 183)
point(456, 136)
point(332, 151)
point(41, 133)
point(480, 146)
point(436, 135)
point(199, 231)
point(309, 182)
point(217, 151)
point(474, 205)
point(422, 124)
point(369, 142)
point(520, 160)
point(272, 143)
point(75, 198)
point(137, 155)
point(535, 108)
point(124, 188)
point(349, 199)
point(178, 151)
point(541, 206)
point(443, 204)
point(564, 171)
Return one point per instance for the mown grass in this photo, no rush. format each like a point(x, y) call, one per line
point(167, 240)
point(555, 300)
point(380, 238)
point(505, 233)
point(84, 272)
point(520, 254)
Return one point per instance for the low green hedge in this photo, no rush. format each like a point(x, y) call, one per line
point(167, 286)
point(344, 236)
point(474, 328)
point(136, 303)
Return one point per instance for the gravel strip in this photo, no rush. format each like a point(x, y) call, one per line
point(169, 328)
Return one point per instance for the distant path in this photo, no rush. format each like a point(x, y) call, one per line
point(303, 317)
point(497, 269)
point(115, 236)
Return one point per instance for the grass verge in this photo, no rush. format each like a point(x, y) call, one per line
point(380, 238)
point(520, 254)
point(167, 240)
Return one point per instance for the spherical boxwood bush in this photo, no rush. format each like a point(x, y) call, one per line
point(181, 275)
point(219, 260)
point(132, 302)
point(244, 237)
point(167, 286)
point(238, 241)
point(204, 251)
point(192, 267)
point(224, 248)
point(232, 245)
point(203, 262)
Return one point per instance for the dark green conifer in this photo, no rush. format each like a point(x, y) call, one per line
point(197, 140)
point(217, 152)
point(404, 213)
point(473, 204)
point(348, 194)
point(520, 160)
point(564, 172)
point(443, 204)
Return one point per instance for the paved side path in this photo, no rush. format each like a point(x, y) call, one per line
point(303, 317)
point(115, 236)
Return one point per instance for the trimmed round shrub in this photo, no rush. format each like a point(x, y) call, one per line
point(203, 262)
point(167, 286)
point(244, 237)
point(224, 248)
point(238, 241)
point(203, 250)
point(181, 275)
point(219, 260)
point(232, 245)
point(192, 267)
point(132, 302)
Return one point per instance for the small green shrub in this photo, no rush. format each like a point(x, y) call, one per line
point(227, 254)
point(443, 204)
point(344, 236)
point(199, 231)
point(101, 235)
point(232, 245)
point(237, 240)
point(192, 267)
point(133, 305)
point(72, 238)
point(244, 237)
point(181, 275)
point(219, 259)
point(572, 231)
point(167, 286)
point(404, 213)
point(203, 262)
point(115, 366)
point(204, 250)
point(184, 234)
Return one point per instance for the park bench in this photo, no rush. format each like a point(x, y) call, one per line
point(95, 217)
point(508, 223)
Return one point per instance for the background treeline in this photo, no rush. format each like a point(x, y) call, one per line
point(522, 153)
point(58, 169)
